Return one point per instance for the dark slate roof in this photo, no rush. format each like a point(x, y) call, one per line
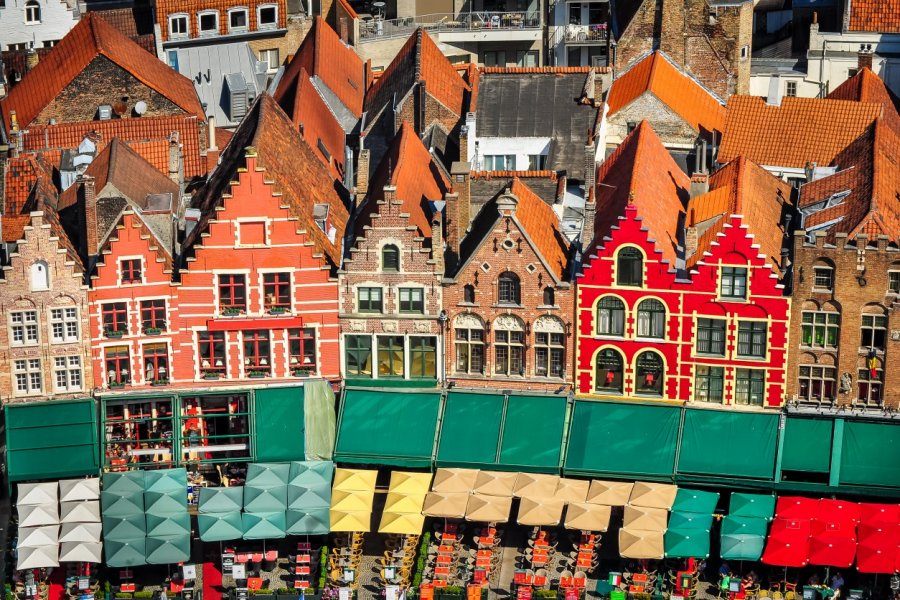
point(538, 105)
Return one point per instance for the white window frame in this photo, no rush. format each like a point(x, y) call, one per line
point(187, 25)
point(259, 23)
point(69, 369)
point(204, 13)
point(240, 28)
point(24, 370)
point(271, 66)
point(67, 320)
point(33, 4)
point(17, 320)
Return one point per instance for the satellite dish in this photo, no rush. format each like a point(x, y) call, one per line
point(140, 108)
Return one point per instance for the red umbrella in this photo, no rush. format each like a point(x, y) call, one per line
point(832, 550)
point(876, 550)
point(788, 543)
point(795, 507)
point(879, 514)
point(844, 515)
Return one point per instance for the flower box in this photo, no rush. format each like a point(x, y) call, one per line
point(258, 374)
point(212, 376)
point(301, 372)
point(160, 382)
point(152, 330)
point(113, 334)
point(278, 310)
point(116, 386)
point(231, 312)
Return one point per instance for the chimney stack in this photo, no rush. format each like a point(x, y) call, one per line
point(458, 208)
point(174, 158)
point(587, 223)
point(91, 218)
point(864, 57)
point(31, 59)
point(699, 184)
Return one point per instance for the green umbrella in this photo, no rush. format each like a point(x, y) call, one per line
point(125, 553)
point(166, 481)
point(752, 505)
point(168, 549)
point(312, 522)
point(261, 500)
point(174, 524)
point(300, 498)
point(263, 526)
point(745, 526)
point(124, 529)
point(221, 500)
point(220, 527)
point(127, 482)
point(114, 505)
point(743, 538)
point(687, 543)
point(311, 473)
point(695, 501)
point(158, 503)
point(690, 520)
point(266, 475)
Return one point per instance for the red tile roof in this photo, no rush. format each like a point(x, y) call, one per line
point(410, 168)
point(322, 54)
point(799, 131)
point(542, 227)
point(120, 18)
point(418, 59)
point(90, 38)
point(742, 188)
point(166, 7)
point(657, 75)
point(641, 172)
point(875, 15)
point(319, 126)
point(870, 172)
point(866, 86)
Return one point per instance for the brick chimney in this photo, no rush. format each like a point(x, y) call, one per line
point(699, 184)
point(864, 57)
point(587, 223)
point(31, 59)
point(437, 241)
point(174, 158)
point(457, 211)
point(91, 218)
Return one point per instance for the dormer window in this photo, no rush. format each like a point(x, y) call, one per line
point(178, 26)
point(237, 19)
point(322, 217)
point(267, 16)
point(208, 23)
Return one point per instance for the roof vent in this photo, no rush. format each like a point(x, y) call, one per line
point(238, 96)
point(104, 112)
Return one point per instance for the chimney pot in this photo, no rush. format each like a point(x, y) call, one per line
point(864, 57)
point(699, 184)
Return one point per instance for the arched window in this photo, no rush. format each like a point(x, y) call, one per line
point(649, 374)
point(630, 267)
point(611, 317)
point(609, 372)
point(508, 288)
point(32, 12)
point(469, 294)
point(40, 276)
point(651, 321)
point(549, 297)
point(390, 258)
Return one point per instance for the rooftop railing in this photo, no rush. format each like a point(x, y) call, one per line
point(376, 29)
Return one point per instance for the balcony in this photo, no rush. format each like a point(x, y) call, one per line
point(586, 35)
point(460, 27)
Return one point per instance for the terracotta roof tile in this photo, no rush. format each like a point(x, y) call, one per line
point(801, 130)
point(657, 75)
point(866, 86)
point(642, 173)
point(319, 126)
point(875, 15)
point(542, 226)
point(93, 37)
point(410, 168)
point(120, 18)
point(166, 7)
point(742, 188)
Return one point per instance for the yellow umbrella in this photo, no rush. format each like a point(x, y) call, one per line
point(653, 495)
point(342, 520)
point(405, 482)
point(354, 480)
point(587, 517)
point(610, 493)
point(488, 509)
point(454, 480)
point(648, 519)
point(404, 503)
point(544, 511)
point(450, 505)
point(402, 523)
point(572, 490)
point(640, 544)
point(533, 485)
point(495, 483)
point(352, 501)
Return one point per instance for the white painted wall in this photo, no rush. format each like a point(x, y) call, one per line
point(57, 18)
point(840, 56)
point(521, 148)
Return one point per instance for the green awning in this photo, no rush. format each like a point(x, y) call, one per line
point(263, 526)
point(166, 481)
point(470, 431)
point(865, 451)
point(622, 439)
point(315, 521)
point(807, 445)
point(687, 543)
point(280, 424)
point(751, 505)
point(125, 483)
point(52, 440)
point(389, 428)
point(689, 520)
point(168, 549)
point(743, 538)
point(695, 501)
point(165, 525)
point(533, 431)
point(129, 553)
point(124, 529)
point(221, 500)
point(113, 505)
point(728, 444)
point(265, 500)
point(310, 485)
point(164, 504)
point(220, 527)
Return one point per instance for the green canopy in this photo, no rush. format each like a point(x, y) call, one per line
point(263, 526)
point(461, 442)
point(168, 549)
point(261, 500)
point(121, 506)
point(863, 454)
point(158, 503)
point(124, 483)
point(807, 444)
point(315, 521)
point(220, 527)
point(267, 475)
point(129, 553)
point(687, 543)
point(743, 538)
point(690, 520)
point(221, 500)
point(124, 529)
point(744, 442)
point(166, 481)
point(752, 505)
point(164, 525)
point(695, 501)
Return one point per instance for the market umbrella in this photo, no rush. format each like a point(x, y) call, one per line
point(221, 500)
point(354, 480)
point(836, 515)
point(488, 509)
point(265, 499)
point(587, 517)
point(879, 514)
point(71, 490)
point(877, 548)
point(572, 490)
point(352, 501)
point(743, 538)
point(689, 520)
point(165, 503)
point(311, 522)
point(788, 543)
point(263, 526)
point(406, 482)
point(495, 483)
point(168, 549)
point(123, 483)
point(404, 503)
point(832, 550)
point(80, 532)
point(358, 521)
point(80, 511)
point(646, 519)
point(401, 523)
point(165, 525)
point(36, 558)
point(129, 553)
point(33, 537)
point(535, 485)
point(653, 495)
point(220, 527)
point(540, 511)
point(123, 529)
point(31, 494)
point(166, 481)
point(796, 507)
point(311, 473)
point(450, 505)
point(639, 544)
point(311, 497)
point(687, 543)
point(267, 475)
point(122, 506)
point(81, 552)
point(454, 480)
point(695, 501)
point(38, 514)
point(752, 505)
point(610, 493)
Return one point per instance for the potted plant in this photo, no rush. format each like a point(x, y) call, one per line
point(143, 594)
point(301, 371)
point(115, 385)
point(286, 594)
point(262, 594)
point(156, 382)
point(124, 595)
point(256, 374)
point(277, 310)
point(113, 333)
point(211, 375)
point(231, 311)
point(152, 330)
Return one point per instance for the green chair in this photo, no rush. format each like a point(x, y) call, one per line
point(604, 588)
point(617, 595)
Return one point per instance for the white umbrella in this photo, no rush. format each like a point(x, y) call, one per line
point(85, 511)
point(35, 558)
point(34, 537)
point(80, 552)
point(80, 532)
point(39, 514)
point(79, 489)
point(37, 493)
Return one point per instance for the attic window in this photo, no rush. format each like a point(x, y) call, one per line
point(321, 146)
point(209, 23)
point(267, 16)
point(237, 19)
point(178, 25)
point(321, 214)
